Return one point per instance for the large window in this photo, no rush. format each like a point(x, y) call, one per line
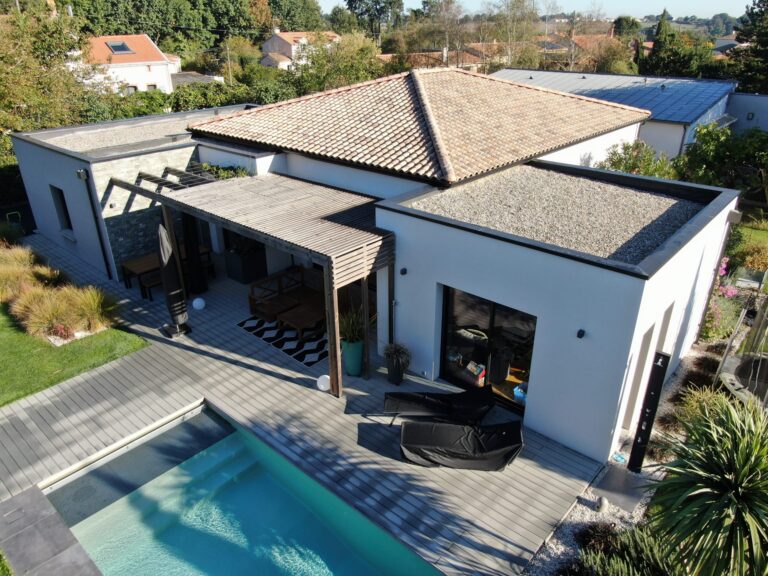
point(485, 343)
point(65, 222)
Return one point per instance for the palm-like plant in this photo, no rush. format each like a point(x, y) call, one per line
point(712, 506)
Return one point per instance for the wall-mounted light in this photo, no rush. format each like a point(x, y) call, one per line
point(403, 271)
point(581, 333)
point(750, 116)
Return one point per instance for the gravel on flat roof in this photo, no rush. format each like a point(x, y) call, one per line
point(590, 216)
point(105, 139)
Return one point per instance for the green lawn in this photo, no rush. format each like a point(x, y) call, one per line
point(5, 570)
point(31, 364)
point(754, 235)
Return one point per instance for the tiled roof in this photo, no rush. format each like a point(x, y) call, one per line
point(682, 100)
point(442, 124)
point(142, 50)
point(296, 37)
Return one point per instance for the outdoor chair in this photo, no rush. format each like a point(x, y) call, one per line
point(457, 446)
point(468, 407)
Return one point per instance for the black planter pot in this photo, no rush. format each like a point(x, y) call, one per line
point(394, 370)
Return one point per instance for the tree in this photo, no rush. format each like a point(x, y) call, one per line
point(752, 60)
point(638, 158)
point(516, 21)
point(297, 14)
point(712, 505)
point(675, 54)
point(353, 59)
point(626, 27)
point(261, 14)
point(721, 158)
point(375, 13)
point(342, 20)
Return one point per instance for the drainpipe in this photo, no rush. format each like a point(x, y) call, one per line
point(84, 175)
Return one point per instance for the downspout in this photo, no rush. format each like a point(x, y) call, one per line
point(84, 175)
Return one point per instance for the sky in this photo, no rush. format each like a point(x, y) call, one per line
point(613, 8)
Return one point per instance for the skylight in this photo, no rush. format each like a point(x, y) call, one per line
point(119, 47)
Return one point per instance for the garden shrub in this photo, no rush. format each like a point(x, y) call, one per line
point(48, 276)
point(711, 506)
point(45, 312)
point(14, 280)
point(17, 256)
point(707, 364)
point(10, 233)
point(597, 536)
point(668, 421)
point(91, 308)
point(696, 402)
point(659, 451)
point(634, 552)
point(696, 380)
point(721, 317)
point(5, 569)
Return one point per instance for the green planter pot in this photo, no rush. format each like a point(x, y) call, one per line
point(352, 355)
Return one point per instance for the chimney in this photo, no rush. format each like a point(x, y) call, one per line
point(276, 30)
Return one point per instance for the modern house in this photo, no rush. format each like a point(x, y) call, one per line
point(678, 105)
point(285, 50)
point(132, 62)
point(495, 258)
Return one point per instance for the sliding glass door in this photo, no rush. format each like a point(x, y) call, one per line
point(485, 343)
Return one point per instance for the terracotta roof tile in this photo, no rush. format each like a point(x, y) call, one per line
point(142, 50)
point(443, 125)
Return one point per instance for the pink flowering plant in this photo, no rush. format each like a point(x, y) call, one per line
point(724, 307)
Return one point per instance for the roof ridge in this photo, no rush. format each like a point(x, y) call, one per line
point(305, 98)
point(550, 91)
point(432, 126)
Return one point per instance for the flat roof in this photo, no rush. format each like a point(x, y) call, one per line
point(679, 100)
point(103, 140)
point(600, 218)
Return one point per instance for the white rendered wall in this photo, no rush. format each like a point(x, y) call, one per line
point(684, 281)
point(664, 137)
point(575, 384)
point(742, 105)
point(594, 150)
point(42, 168)
point(256, 163)
point(352, 179)
point(711, 115)
point(141, 75)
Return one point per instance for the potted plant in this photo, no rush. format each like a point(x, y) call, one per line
point(351, 333)
point(398, 359)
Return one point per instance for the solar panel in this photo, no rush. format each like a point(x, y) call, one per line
point(119, 47)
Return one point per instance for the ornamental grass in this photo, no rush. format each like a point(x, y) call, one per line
point(45, 312)
point(712, 505)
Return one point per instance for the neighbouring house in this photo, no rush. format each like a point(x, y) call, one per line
point(494, 260)
point(678, 105)
point(185, 78)
point(285, 50)
point(465, 59)
point(132, 63)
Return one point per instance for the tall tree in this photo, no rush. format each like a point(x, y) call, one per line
point(375, 13)
point(675, 53)
point(752, 60)
point(297, 14)
point(626, 27)
point(342, 20)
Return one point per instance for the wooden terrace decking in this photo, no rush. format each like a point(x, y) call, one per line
point(463, 522)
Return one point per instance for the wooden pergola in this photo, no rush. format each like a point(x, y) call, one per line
point(328, 226)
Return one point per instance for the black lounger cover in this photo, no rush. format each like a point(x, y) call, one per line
point(470, 406)
point(457, 446)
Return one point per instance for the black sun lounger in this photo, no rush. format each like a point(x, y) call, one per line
point(466, 407)
point(457, 446)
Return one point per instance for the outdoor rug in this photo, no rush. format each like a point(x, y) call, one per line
point(310, 350)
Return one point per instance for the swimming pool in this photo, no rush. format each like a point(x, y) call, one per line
point(235, 507)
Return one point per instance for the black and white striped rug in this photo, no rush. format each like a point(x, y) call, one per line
point(310, 350)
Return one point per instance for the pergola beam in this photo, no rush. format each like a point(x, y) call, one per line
point(332, 327)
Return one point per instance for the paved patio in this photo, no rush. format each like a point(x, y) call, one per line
point(463, 522)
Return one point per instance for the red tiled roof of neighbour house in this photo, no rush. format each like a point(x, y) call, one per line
point(442, 125)
point(296, 37)
point(142, 50)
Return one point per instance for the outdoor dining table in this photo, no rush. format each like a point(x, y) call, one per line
point(150, 263)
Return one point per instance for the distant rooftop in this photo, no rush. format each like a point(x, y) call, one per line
point(440, 125)
point(123, 49)
point(681, 100)
point(106, 139)
point(590, 216)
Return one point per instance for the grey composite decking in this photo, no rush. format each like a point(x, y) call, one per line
point(464, 522)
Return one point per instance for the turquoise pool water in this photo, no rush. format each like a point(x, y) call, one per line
point(238, 507)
